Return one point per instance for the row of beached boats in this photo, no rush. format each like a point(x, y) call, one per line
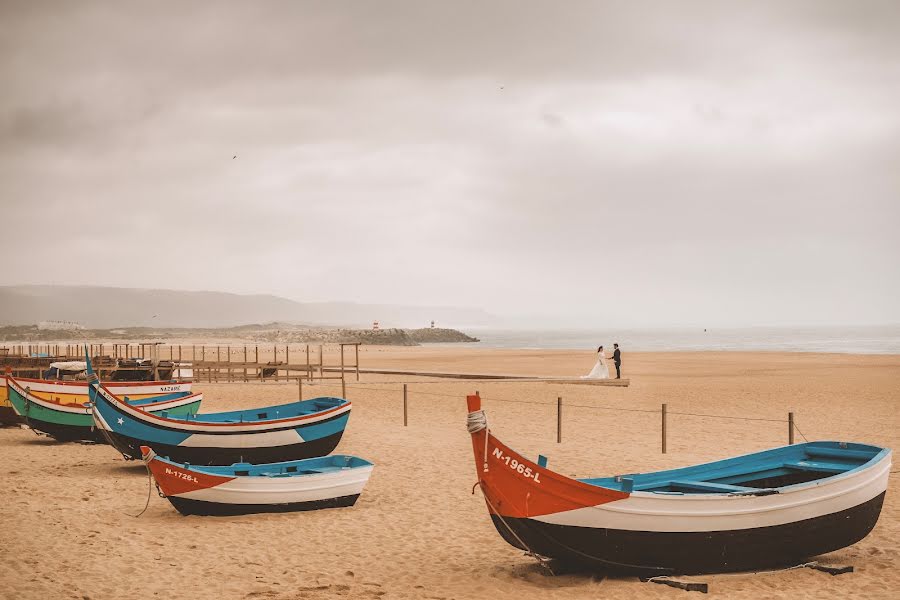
point(270, 459)
point(771, 508)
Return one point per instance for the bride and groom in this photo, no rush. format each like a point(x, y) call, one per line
point(601, 370)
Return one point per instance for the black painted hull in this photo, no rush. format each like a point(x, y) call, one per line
point(689, 553)
point(67, 433)
point(130, 448)
point(187, 506)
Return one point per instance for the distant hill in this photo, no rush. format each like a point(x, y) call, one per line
point(107, 307)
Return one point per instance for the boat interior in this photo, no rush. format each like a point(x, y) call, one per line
point(752, 474)
point(155, 399)
point(308, 466)
point(269, 413)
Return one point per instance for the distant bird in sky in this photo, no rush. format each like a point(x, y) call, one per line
point(234, 157)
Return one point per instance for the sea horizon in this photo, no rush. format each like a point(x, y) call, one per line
point(882, 339)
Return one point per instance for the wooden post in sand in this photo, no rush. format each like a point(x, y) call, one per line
point(559, 419)
point(664, 428)
point(790, 429)
point(404, 406)
point(300, 388)
point(245, 364)
point(343, 386)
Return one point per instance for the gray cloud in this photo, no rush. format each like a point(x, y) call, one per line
point(683, 162)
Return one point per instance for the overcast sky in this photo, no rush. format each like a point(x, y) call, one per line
point(608, 163)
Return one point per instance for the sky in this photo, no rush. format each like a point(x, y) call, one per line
point(614, 164)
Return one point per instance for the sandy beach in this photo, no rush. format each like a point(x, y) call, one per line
point(417, 531)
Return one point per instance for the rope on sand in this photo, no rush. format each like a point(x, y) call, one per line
point(528, 551)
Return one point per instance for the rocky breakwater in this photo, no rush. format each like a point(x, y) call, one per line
point(372, 337)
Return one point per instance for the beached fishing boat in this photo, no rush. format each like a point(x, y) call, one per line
point(309, 484)
point(64, 383)
point(67, 417)
point(303, 429)
point(771, 508)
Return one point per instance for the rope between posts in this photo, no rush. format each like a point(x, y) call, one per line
point(672, 412)
point(608, 408)
point(800, 432)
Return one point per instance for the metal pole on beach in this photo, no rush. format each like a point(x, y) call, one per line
point(405, 410)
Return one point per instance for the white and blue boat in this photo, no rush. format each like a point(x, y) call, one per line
point(773, 508)
point(292, 431)
point(299, 485)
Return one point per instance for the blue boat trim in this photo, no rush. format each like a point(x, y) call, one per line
point(780, 468)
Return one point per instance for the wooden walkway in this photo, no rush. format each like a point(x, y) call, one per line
point(494, 377)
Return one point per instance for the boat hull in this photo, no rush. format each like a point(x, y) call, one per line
point(300, 485)
point(76, 392)
point(209, 455)
point(8, 415)
point(71, 422)
point(272, 434)
point(692, 552)
point(773, 508)
point(186, 506)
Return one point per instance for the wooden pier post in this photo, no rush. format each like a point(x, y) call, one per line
point(245, 363)
point(321, 360)
point(405, 409)
point(559, 419)
point(343, 386)
point(300, 388)
point(664, 407)
point(790, 429)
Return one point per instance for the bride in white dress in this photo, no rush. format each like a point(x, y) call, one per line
point(600, 370)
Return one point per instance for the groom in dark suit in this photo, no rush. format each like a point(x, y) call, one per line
point(617, 358)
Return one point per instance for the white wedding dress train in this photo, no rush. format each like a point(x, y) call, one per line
point(600, 370)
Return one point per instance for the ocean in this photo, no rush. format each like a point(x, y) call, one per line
point(849, 340)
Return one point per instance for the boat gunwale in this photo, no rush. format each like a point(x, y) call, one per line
point(193, 424)
point(81, 409)
point(880, 455)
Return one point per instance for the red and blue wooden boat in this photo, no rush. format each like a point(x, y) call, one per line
point(772, 508)
point(309, 484)
point(291, 431)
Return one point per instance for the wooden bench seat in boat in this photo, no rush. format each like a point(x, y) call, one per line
point(822, 467)
point(678, 485)
point(857, 456)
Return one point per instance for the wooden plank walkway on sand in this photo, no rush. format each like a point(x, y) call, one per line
point(494, 377)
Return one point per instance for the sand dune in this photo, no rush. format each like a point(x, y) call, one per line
point(417, 530)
